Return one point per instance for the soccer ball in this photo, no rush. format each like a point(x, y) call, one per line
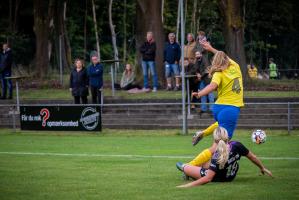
point(258, 136)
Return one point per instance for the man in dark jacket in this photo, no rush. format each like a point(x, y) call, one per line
point(5, 71)
point(95, 74)
point(172, 56)
point(148, 51)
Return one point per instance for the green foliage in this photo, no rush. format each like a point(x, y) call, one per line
point(23, 47)
point(170, 16)
point(271, 31)
point(271, 28)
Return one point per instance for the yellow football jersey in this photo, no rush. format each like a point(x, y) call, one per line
point(230, 85)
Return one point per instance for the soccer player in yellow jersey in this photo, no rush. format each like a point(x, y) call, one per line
point(227, 80)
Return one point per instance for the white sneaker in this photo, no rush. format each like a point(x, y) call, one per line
point(155, 89)
point(197, 137)
point(145, 89)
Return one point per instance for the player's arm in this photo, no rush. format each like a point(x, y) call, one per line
point(207, 90)
point(206, 179)
point(253, 158)
point(207, 46)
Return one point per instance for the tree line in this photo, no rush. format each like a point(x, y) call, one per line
point(40, 31)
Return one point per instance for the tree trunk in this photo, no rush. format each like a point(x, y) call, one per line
point(113, 35)
point(178, 22)
point(234, 31)
point(67, 49)
point(85, 31)
point(14, 6)
point(185, 13)
point(149, 19)
point(61, 39)
point(96, 28)
point(10, 16)
point(16, 12)
point(42, 16)
point(162, 11)
point(125, 31)
point(193, 21)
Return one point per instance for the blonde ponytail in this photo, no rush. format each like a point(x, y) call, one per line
point(220, 62)
point(221, 137)
point(223, 153)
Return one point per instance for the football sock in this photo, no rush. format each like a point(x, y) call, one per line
point(201, 158)
point(210, 129)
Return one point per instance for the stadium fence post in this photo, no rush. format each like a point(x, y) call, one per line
point(112, 80)
point(18, 97)
point(189, 99)
point(184, 116)
point(289, 118)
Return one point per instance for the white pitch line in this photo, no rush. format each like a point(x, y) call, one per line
point(94, 155)
point(124, 155)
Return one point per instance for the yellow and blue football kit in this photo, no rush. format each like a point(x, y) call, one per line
point(227, 107)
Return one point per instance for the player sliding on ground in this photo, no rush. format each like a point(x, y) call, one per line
point(224, 164)
point(227, 80)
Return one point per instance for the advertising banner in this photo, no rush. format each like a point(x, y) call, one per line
point(61, 118)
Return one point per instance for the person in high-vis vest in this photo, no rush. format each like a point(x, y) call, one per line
point(272, 69)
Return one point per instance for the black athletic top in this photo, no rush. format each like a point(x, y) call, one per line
point(229, 172)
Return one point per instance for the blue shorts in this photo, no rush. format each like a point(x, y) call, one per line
point(171, 68)
point(227, 117)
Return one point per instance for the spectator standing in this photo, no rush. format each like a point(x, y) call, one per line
point(201, 37)
point(5, 71)
point(172, 55)
point(79, 82)
point(95, 75)
point(272, 69)
point(252, 71)
point(202, 64)
point(189, 47)
point(148, 51)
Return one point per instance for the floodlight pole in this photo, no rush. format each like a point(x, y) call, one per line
point(184, 116)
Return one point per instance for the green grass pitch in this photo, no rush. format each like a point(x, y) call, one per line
point(48, 165)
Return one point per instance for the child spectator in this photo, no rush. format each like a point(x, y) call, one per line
point(201, 37)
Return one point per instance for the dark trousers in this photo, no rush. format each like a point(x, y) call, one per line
point(96, 95)
point(128, 87)
point(83, 99)
point(6, 83)
point(131, 86)
point(193, 87)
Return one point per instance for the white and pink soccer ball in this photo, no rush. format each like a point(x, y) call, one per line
point(258, 136)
